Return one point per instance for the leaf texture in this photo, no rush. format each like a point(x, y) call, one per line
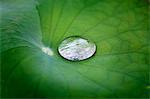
point(119, 28)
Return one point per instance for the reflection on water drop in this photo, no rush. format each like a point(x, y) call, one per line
point(75, 48)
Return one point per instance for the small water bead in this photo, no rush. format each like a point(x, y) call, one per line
point(75, 48)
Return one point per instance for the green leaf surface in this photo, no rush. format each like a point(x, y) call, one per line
point(119, 28)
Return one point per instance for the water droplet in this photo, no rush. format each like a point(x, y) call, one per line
point(75, 48)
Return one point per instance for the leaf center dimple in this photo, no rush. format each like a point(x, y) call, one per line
point(47, 51)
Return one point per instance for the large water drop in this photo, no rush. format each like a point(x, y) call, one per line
point(75, 48)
